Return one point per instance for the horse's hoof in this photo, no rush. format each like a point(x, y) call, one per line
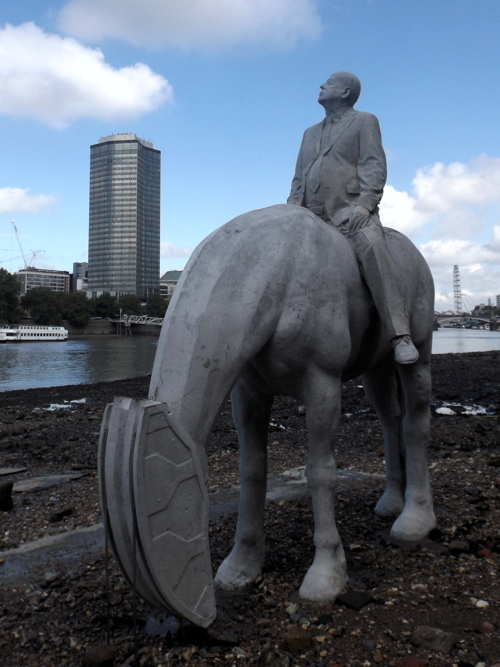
point(390, 505)
point(231, 578)
point(412, 527)
point(322, 589)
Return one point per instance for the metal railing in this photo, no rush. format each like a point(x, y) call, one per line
point(142, 319)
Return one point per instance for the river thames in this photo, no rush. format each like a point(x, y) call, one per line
point(92, 359)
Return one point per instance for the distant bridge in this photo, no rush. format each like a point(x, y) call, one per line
point(468, 322)
point(123, 324)
point(459, 320)
point(142, 319)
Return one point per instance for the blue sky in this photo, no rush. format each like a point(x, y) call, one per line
point(225, 89)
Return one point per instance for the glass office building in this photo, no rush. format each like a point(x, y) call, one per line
point(124, 219)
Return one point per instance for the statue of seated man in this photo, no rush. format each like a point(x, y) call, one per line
point(340, 176)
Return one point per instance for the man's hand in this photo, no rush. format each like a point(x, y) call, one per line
point(359, 218)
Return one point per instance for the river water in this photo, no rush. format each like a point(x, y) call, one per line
point(102, 358)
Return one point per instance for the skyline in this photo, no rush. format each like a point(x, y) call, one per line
point(225, 91)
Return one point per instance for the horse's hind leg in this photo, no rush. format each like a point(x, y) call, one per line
point(327, 575)
point(251, 412)
point(417, 518)
point(383, 390)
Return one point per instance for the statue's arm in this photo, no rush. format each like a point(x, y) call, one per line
point(372, 165)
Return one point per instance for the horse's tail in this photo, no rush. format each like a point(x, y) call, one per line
point(224, 310)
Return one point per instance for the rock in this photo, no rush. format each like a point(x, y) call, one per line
point(468, 657)
point(11, 471)
point(6, 502)
point(101, 656)
point(273, 657)
point(408, 661)
point(354, 599)
point(433, 639)
point(297, 639)
point(62, 512)
point(458, 547)
point(292, 609)
point(189, 653)
point(485, 553)
point(482, 604)
point(45, 482)
point(484, 627)
point(50, 577)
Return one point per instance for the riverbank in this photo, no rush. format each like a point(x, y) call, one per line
point(449, 582)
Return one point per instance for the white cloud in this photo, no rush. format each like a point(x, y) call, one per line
point(457, 207)
point(442, 188)
point(56, 80)
point(459, 251)
point(399, 211)
point(19, 200)
point(167, 249)
point(192, 24)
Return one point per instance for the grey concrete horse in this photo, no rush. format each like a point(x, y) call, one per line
point(273, 303)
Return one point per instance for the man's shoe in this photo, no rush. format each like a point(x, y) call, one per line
point(404, 350)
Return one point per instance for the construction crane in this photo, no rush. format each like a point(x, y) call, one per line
point(34, 254)
point(457, 290)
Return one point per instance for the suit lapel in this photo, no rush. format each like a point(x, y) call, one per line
point(340, 127)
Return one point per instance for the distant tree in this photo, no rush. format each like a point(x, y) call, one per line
point(10, 308)
point(77, 309)
point(44, 305)
point(156, 306)
point(130, 305)
point(105, 306)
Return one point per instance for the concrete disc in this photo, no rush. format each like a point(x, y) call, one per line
point(116, 444)
point(171, 504)
point(153, 496)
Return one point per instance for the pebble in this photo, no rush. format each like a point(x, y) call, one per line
point(457, 547)
point(297, 639)
point(274, 657)
point(50, 577)
point(484, 627)
point(433, 638)
point(100, 656)
point(354, 599)
point(482, 604)
point(408, 661)
point(485, 553)
point(61, 513)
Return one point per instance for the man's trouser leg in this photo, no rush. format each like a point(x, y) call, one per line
point(382, 278)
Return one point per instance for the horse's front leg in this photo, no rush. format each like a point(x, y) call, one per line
point(327, 576)
point(251, 412)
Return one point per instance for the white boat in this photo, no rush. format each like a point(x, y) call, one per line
point(25, 332)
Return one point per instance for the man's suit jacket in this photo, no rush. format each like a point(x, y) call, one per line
point(353, 170)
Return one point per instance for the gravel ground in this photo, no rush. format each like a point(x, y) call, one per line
point(448, 584)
